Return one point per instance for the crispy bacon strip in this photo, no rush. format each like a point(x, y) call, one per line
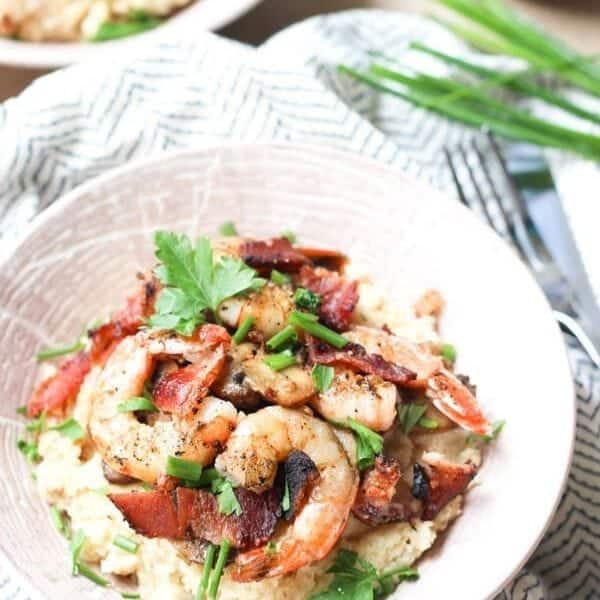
point(357, 358)
point(330, 259)
point(55, 394)
point(192, 513)
point(178, 391)
point(445, 482)
point(383, 496)
point(338, 295)
point(276, 253)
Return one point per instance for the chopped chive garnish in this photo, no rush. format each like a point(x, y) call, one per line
point(282, 338)
point(228, 229)
point(242, 331)
point(75, 547)
point(279, 278)
point(71, 429)
point(281, 361)
point(368, 442)
point(428, 423)
point(285, 501)
point(30, 450)
point(448, 352)
point(310, 325)
point(49, 353)
point(215, 576)
point(22, 410)
point(58, 519)
point(410, 415)
point(497, 427)
point(322, 376)
point(126, 544)
point(184, 469)
point(130, 595)
point(290, 236)
point(206, 569)
point(83, 569)
point(306, 299)
point(136, 403)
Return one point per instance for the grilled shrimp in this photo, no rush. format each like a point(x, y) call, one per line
point(141, 450)
point(270, 306)
point(366, 398)
point(254, 450)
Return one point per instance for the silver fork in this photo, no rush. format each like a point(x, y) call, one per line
point(506, 212)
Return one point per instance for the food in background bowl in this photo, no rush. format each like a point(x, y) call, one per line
point(82, 20)
point(258, 421)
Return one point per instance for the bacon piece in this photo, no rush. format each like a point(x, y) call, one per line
point(330, 259)
point(55, 394)
point(153, 514)
point(276, 253)
point(455, 400)
point(180, 390)
point(338, 295)
point(253, 527)
point(195, 513)
point(445, 482)
point(357, 358)
point(383, 496)
point(300, 473)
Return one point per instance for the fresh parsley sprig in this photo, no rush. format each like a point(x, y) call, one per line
point(355, 578)
point(194, 283)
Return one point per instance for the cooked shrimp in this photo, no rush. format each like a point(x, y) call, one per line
point(366, 398)
point(263, 440)
point(293, 386)
point(270, 306)
point(398, 350)
point(141, 450)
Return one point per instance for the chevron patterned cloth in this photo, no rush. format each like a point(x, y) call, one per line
point(79, 122)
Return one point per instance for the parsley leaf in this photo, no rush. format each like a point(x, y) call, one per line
point(368, 442)
point(71, 429)
point(226, 498)
point(194, 283)
point(357, 579)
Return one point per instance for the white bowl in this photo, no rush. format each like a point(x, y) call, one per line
point(202, 15)
point(80, 257)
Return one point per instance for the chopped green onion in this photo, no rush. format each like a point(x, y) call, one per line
point(290, 236)
point(75, 547)
point(37, 425)
point(136, 403)
point(497, 427)
point(271, 548)
point(130, 595)
point(285, 501)
point(206, 569)
point(126, 544)
point(242, 331)
point(281, 361)
point(71, 429)
point(322, 376)
point(306, 299)
point(279, 278)
point(215, 576)
point(83, 569)
point(448, 352)
point(137, 21)
point(368, 442)
point(22, 410)
point(30, 450)
point(147, 486)
point(208, 477)
point(410, 415)
point(309, 324)
point(427, 423)
point(102, 491)
point(228, 229)
point(184, 469)
point(58, 519)
point(49, 353)
point(282, 338)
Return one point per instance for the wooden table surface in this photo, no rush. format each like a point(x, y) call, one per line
point(577, 21)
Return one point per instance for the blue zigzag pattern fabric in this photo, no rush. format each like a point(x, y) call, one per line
point(77, 123)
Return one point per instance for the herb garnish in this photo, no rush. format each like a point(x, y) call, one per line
point(71, 429)
point(286, 501)
point(448, 352)
point(228, 229)
point(290, 236)
point(186, 470)
point(322, 376)
point(279, 278)
point(357, 579)
point(286, 337)
point(368, 442)
point(242, 331)
point(281, 361)
point(76, 346)
point(215, 575)
point(136, 403)
point(194, 284)
point(306, 299)
point(138, 21)
point(497, 427)
point(411, 415)
point(309, 323)
point(126, 544)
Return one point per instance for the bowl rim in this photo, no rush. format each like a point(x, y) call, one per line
point(210, 15)
point(70, 197)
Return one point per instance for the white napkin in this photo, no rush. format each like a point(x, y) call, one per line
point(79, 122)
